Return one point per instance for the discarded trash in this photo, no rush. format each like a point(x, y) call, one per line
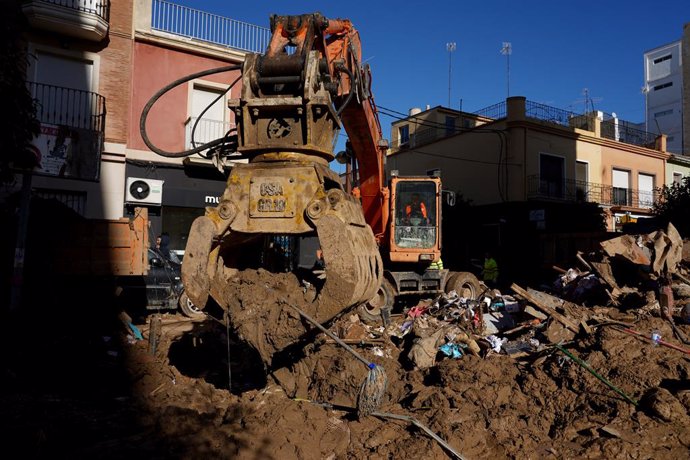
point(452, 350)
point(496, 343)
point(656, 337)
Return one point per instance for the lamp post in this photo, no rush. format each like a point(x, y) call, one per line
point(507, 50)
point(450, 46)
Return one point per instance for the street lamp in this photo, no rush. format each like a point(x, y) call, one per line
point(507, 50)
point(450, 46)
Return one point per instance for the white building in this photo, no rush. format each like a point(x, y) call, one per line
point(664, 94)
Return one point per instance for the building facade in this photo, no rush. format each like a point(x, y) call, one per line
point(92, 68)
point(663, 91)
point(520, 151)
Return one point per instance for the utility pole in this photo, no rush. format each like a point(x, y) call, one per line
point(450, 46)
point(507, 50)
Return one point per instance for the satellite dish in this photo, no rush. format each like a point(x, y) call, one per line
point(139, 189)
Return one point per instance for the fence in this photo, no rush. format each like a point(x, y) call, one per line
point(200, 25)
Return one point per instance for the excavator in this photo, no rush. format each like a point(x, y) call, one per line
point(378, 241)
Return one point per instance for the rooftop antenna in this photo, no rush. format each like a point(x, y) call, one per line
point(450, 46)
point(588, 101)
point(507, 50)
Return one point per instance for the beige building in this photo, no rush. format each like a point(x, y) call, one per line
point(520, 150)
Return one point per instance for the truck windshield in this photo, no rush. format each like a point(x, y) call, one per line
point(415, 214)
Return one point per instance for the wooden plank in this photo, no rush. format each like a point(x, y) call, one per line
point(568, 323)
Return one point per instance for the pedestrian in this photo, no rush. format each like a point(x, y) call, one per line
point(436, 265)
point(490, 270)
point(163, 245)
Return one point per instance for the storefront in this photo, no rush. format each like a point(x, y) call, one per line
point(186, 191)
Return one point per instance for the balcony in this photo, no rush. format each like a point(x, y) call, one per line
point(573, 190)
point(72, 131)
point(87, 19)
point(200, 25)
point(206, 130)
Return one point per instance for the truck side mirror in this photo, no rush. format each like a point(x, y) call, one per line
point(450, 197)
point(156, 262)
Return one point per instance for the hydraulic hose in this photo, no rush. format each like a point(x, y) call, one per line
point(160, 93)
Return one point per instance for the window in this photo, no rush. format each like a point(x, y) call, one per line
point(663, 113)
point(404, 134)
point(662, 59)
point(450, 125)
point(645, 185)
point(582, 178)
point(415, 214)
point(621, 186)
point(677, 178)
point(663, 85)
point(213, 124)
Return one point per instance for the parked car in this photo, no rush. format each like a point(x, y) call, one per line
point(160, 289)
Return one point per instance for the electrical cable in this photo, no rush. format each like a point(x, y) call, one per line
point(160, 93)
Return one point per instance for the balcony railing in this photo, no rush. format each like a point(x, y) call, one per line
point(86, 19)
point(200, 25)
point(100, 8)
point(206, 131)
point(69, 107)
point(575, 190)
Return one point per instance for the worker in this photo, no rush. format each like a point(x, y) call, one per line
point(416, 209)
point(436, 265)
point(490, 270)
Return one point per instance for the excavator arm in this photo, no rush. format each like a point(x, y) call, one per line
point(292, 103)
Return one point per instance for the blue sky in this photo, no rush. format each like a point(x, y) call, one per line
point(559, 48)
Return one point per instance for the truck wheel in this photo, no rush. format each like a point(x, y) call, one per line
point(370, 312)
point(464, 283)
point(188, 308)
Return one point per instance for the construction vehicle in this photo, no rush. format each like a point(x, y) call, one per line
point(292, 103)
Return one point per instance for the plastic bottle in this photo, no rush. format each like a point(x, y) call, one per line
point(656, 337)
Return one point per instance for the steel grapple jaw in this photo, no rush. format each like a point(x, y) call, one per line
point(283, 198)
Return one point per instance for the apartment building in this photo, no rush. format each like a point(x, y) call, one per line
point(79, 72)
point(663, 91)
point(519, 150)
point(93, 67)
point(171, 42)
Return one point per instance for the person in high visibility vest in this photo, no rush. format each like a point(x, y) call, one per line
point(416, 209)
point(436, 265)
point(490, 271)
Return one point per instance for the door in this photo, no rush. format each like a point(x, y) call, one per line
point(551, 176)
point(582, 180)
point(212, 124)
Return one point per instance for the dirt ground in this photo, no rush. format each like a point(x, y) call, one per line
point(79, 385)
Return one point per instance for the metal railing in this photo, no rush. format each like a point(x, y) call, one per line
point(206, 131)
point(69, 107)
point(554, 115)
point(618, 130)
point(575, 190)
point(496, 111)
point(98, 7)
point(200, 25)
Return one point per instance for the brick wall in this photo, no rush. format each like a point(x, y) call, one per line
point(116, 71)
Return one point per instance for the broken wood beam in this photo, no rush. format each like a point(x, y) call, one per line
point(565, 321)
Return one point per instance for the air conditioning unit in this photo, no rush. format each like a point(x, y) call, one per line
point(144, 191)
